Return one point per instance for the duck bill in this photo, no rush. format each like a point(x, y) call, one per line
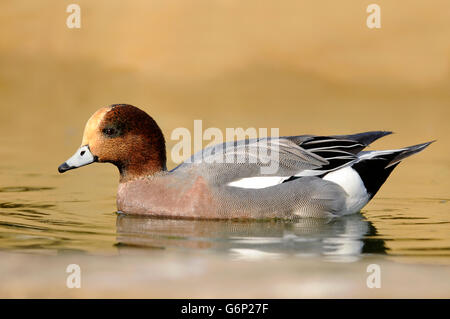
point(82, 157)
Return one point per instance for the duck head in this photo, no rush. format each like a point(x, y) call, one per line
point(125, 136)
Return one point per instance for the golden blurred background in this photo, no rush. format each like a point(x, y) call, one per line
point(302, 66)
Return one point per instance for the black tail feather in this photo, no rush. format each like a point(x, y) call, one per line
point(374, 170)
point(408, 151)
point(365, 138)
point(373, 173)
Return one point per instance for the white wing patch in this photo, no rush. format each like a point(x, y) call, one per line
point(258, 182)
point(310, 172)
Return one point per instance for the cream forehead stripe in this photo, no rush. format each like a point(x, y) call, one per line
point(92, 124)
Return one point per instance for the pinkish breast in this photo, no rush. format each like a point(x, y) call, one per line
point(166, 196)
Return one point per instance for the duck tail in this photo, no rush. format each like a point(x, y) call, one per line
point(374, 167)
point(408, 151)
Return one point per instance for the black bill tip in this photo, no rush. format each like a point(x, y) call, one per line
point(64, 167)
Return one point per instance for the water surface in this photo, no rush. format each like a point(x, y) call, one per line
point(57, 218)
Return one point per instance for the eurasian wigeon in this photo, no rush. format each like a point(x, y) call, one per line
point(317, 176)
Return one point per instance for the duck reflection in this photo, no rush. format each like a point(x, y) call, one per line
point(339, 239)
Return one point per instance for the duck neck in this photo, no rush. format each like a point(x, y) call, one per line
point(143, 163)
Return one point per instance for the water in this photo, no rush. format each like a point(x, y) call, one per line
point(32, 225)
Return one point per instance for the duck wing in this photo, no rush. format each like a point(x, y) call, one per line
point(265, 162)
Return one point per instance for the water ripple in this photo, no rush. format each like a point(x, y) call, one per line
point(22, 189)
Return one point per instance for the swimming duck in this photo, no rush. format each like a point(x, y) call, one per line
point(316, 176)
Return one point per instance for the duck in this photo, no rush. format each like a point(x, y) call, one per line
point(315, 176)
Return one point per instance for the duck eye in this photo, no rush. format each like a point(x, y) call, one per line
point(109, 131)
